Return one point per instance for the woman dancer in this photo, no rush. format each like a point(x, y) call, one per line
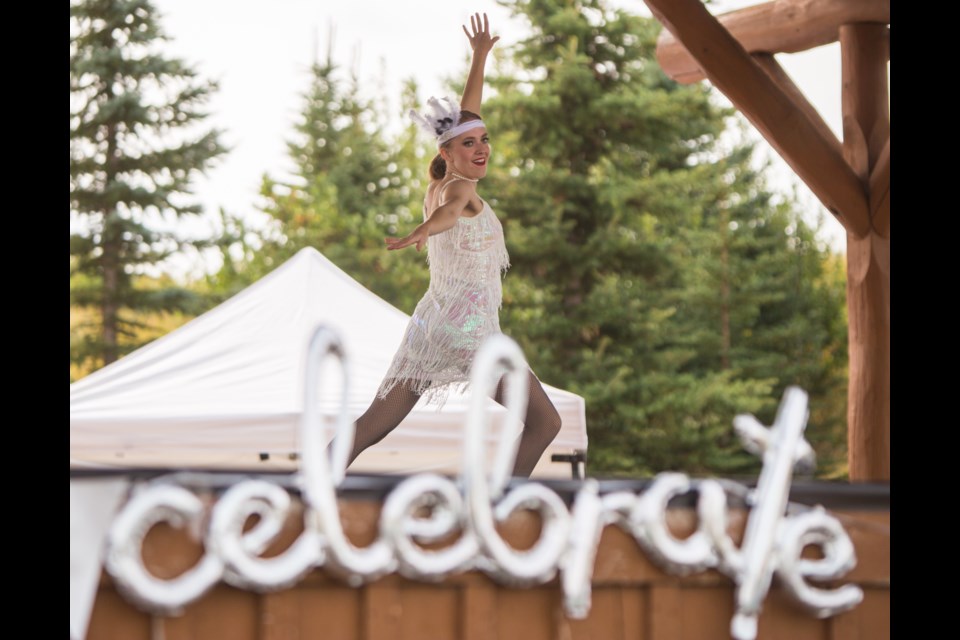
point(467, 255)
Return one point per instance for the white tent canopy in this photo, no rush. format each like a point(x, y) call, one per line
point(227, 387)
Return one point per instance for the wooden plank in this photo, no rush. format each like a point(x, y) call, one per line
point(870, 533)
point(870, 620)
point(605, 619)
point(381, 610)
point(280, 615)
point(775, 115)
point(478, 609)
point(224, 612)
point(846, 626)
point(634, 607)
point(783, 619)
point(428, 612)
point(620, 560)
point(875, 614)
point(173, 627)
point(707, 613)
point(330, 611)
point(782, 26)
point(665, 614)
point(113, 618)
point(527, 613)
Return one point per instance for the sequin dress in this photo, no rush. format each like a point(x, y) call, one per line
point(460, 308)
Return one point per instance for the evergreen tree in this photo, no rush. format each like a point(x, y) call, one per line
point(628, 285)
point(757, 306)
point(597, 145)
point(353, 187)
point(652, 272)
point(134, 148)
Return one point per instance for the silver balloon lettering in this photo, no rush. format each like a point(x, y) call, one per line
point(428, 508)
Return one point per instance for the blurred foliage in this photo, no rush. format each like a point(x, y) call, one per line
point(352, 188)
point(654, 272)
point(145, 326)
point(136, 141)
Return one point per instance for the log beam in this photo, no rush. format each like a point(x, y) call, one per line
point(773, 69)
point(778, 118)
point(864, 54)
point(781, 26)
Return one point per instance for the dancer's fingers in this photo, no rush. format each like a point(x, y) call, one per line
point(486, 23)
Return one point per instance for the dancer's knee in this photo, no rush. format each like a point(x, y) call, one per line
point(554, 425)
point(547, 423)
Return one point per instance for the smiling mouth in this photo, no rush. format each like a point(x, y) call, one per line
point(480, 162)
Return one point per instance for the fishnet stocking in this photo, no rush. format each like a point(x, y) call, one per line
point(540, 426)
point(382, 417)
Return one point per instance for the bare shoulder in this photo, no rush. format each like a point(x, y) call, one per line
point(456, 190)
point(463, 192)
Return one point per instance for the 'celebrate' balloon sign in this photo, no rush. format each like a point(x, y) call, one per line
point(428, 508)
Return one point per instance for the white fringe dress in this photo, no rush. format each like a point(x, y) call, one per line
point(460, 308)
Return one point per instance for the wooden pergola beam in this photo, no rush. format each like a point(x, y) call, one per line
point(880, 192)
point(769, 108)
point(773, 69)
point(781, 26)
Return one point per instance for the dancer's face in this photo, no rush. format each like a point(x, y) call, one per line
point(468, 153)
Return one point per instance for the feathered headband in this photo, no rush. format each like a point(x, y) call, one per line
point(440, 120)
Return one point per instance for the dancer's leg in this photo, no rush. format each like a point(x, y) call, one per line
point(382, 417)
point(540, 427)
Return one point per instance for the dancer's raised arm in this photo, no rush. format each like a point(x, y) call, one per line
point(468, 256)
point(481, 43)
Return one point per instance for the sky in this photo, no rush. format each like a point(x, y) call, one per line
point(260, 53)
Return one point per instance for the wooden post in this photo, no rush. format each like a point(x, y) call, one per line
point(866, 123)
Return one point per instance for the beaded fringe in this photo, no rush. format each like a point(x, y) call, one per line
point(459, 310)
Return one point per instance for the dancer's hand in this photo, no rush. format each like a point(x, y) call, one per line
point(480, 41)
point(417, 237)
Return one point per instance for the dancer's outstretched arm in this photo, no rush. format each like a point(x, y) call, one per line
point(441, 219)
point(481, 42)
